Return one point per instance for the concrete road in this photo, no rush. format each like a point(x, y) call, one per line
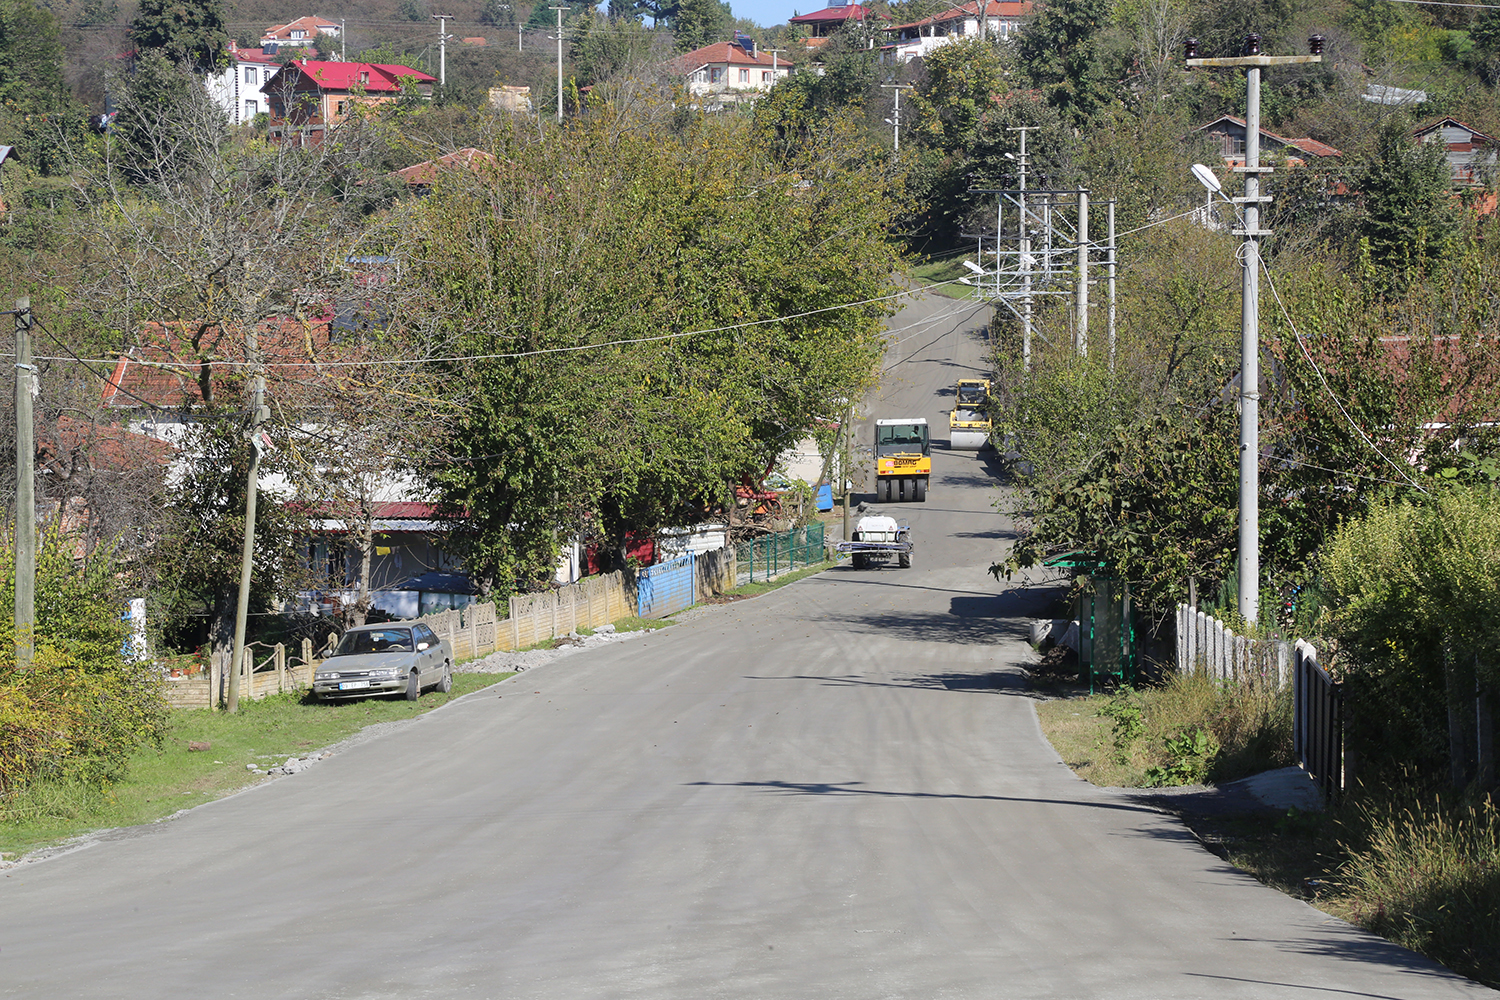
point(838, 790)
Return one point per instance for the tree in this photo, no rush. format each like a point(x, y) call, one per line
point(186, 31)
point(962, 81)
point(577, 256)
point(1059, 52)
point(696, 23)
point(31, 55)
point(1409, 220)
point(603, 47)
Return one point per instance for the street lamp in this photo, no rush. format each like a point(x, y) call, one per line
point(1249, 523)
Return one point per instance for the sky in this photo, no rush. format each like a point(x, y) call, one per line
point(768, 12)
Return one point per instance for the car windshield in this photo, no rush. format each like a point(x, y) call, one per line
point(890, 438)
point(377, 640)
point(971, 394)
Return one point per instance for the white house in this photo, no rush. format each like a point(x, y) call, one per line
point(299, 32)
point(238, 88)
point(733, 72)
point(1002, 21)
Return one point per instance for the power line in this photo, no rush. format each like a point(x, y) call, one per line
point(573, 348)
point(1297, 336)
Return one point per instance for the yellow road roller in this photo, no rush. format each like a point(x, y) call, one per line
point(969, 421)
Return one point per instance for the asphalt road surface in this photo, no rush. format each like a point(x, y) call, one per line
point(838, 790)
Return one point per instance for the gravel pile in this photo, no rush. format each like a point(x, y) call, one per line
point(502, 662)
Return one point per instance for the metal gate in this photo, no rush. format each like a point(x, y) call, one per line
point(1317, 721)
point(666, 588)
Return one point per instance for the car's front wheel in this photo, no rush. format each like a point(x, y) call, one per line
point(413, 686)
point(446, 684)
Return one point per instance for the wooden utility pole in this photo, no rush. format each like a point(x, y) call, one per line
point(258, 414)
point(25, 489)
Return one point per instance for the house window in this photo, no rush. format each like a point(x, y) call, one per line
point(765, 76)
point(716, 74)
point(364, 78)
point(298, 33)
point(249, 74)
point(744, 76)
point(1234, 145)
point(341, 106)
point(250, 110)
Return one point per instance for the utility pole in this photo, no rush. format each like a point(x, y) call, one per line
point(559, 62)
point(343, 45)
point(442, 20)
point(258, 414)
point(775, 65)
point(1081, 336)
point(25, 490)
point(1022, 162)
point(1111, 284)
point(1249, 525)
point(895, 118)
point(844, 468)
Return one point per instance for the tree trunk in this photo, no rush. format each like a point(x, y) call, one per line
point(1459, 683)
point(365, 541)
point(221, 636)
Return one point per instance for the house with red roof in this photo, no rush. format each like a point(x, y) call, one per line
point(421, 176)
point(823, 24)
point(239, 86)
point(302, 31)
point(732, 72)
point(1470, 153)
point(1230, 133)
point(1002, 19)
point(308, 97)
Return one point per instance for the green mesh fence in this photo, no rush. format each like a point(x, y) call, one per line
point(770, 556)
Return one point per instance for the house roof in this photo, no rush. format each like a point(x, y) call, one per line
point(1310, 146)
point(371, 77)
point(730, 54)
point(167, 371)
point(427, 172)
point(309, 24)
point(100, 447)
point(846, 12)
point(1423, 130)
point(993, 8)
point(237, 54)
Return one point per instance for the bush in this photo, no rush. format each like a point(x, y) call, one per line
point(81, 708)
point(1195, 729)
point(1428, 877)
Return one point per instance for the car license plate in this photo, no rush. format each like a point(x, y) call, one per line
point(353, 685)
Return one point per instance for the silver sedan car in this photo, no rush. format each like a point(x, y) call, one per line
point(385, 659)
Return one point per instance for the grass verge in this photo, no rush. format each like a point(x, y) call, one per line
point(264, 733)
point(756, 589)
point(932, 271)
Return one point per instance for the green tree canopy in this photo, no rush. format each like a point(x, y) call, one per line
point(593, 246)
point(187, 31)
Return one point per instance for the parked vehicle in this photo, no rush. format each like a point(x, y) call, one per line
point(373, 660)
point(903, 459)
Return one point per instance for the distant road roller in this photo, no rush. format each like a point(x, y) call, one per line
point(969, 423)
point(903, 460)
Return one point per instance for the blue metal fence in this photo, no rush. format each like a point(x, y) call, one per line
point(667, 587)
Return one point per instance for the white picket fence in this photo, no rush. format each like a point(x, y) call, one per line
point(1207, 644)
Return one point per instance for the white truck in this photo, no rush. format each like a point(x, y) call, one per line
point(878, 539)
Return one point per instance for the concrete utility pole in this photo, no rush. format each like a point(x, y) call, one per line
point(1249, 527)
point(258, 415)
point(343, 45)
point(1026, 300)
point(1081, 337)
point(1111, 284)
point(559, 62)
point(25, 489)
point(895, 118)
point(442, 20)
